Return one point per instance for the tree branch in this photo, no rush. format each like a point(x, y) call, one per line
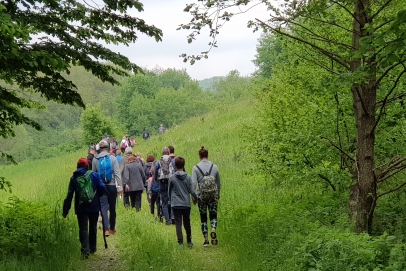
point(385, 100)
point(338, 148)
point(318, 64)
point(328, 54)
point(346, 9)
point(398, 97)
point(380, 9)
point(333, 24)
point(392, 190)
point(328, 181)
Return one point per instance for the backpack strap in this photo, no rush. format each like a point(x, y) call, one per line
point(201, 171)
point(211, 167)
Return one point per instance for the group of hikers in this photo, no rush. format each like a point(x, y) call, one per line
point(105, 174)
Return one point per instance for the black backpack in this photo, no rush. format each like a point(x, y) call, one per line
point(147, 170)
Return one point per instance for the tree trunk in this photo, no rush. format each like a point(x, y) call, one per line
point(364, 99)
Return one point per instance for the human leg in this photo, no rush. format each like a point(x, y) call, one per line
point(186, 224)
point(93, 217)
point(138, 199)
point(178, 223)
point(126, 197)
point(83, 222)
point(154, 198)
point(112, 205)
point(213, 222)
point(132, 198)
point(163, 193)
point(203, 219)
point(104, 201)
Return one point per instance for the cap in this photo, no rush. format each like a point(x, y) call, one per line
point(103, 144)
point(82, 163)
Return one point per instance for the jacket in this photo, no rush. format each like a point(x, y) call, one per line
point(180, 188)
point(92, 207)
point(134, 176)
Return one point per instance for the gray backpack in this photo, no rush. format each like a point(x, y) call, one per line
point(208, 187)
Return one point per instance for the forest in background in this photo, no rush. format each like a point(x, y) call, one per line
point(143, 101)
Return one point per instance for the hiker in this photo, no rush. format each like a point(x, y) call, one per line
point(108, 169)
point(153, 189)
point(132, 142)
point(90, 156)
point(171, 152)
point(118, 156)
point(179, 190)
point(128, 153)
point(164, 169)
point(146, 135)
point(161, 129)
point(134, 180)
point(91, 146)
point(113, 145)
point(206, 178)
point(140, 159)
point(86, 204)
point(123, 144)
point(148, 173)
point(172, 155)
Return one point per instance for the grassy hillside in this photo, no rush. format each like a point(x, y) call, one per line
point(264, 224)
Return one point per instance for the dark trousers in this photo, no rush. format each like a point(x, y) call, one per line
point(108, 205)
point(163, 194)
point(154, 201)
point(126, 197)
point(135, 197)
point(182, 214)
point(88, 231)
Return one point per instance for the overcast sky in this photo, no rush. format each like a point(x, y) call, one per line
point(237, 43)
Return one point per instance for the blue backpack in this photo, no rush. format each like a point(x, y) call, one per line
point(105, 169)
point(154, 186)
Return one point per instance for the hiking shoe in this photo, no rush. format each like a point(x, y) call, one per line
point(113, 231)
point(206, 243)
point(107, 233)
point(190, 244)
point(181, 245)
point(213, 236)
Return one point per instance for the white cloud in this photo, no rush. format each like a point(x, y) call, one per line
point(236, 42)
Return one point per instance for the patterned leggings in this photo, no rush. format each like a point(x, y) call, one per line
point(203, 207)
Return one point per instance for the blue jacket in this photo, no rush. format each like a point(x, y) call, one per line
point(92, 207)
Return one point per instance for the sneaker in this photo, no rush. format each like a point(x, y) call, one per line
point(206, 243)
point(107, 233)
point(113, 231)
point(213, 236)
point(180, 244)
point(190, 244)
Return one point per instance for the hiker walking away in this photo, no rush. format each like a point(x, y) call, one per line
point(108, 169)
point(172, 155)
point(132, 142)
point(140, 160)
point(172, 152)
point(118, 156)
point(161, 129)
point(87, 188)
point(179, 189)
point(90, 156)
point(134, 180)
point(124, 161)
point(123, 144)
point(148, 173)
point(164, 169)
point(206, 179)
point(113, 145)
point(146, 135)
point(153, 192)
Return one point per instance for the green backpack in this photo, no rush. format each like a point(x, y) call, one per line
point(84, 188)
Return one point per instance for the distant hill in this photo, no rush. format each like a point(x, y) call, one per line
point(208, 83)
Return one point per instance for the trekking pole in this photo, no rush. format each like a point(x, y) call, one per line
point(104, 234)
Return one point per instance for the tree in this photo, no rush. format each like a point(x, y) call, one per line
point(359, 41)
point(95, 124)
point(41, 39)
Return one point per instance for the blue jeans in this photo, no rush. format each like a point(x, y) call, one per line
point(87, 222)
point(108, 203)
point(163, 194)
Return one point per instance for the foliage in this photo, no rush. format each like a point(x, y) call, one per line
point(95, 124)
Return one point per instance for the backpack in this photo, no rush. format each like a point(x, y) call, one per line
point(105, 169)
point(84, 188)
point(123, 146)
point(165, 170)
point(154, 186)
point(147, 170)
point(208, 187)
